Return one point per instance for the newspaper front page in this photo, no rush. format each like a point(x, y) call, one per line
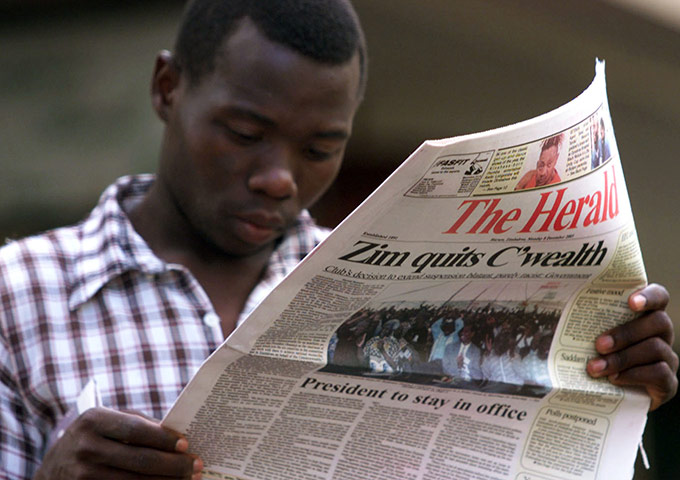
point(442, 330)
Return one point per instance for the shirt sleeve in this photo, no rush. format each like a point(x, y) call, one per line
point(20, 439)
point(436, 328)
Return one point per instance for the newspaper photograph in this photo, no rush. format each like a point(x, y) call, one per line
point(442, 330)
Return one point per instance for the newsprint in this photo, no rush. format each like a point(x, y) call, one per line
point(442, 330)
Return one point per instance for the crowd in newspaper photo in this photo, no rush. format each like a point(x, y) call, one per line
point(490, 345)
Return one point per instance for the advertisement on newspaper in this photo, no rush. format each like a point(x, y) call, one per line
point(442, 330)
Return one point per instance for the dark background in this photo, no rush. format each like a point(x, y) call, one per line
point(75, 111)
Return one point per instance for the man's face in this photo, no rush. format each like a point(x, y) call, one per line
point(255, 142)
point(466, 335)
point(545, 165)
point(448, 326)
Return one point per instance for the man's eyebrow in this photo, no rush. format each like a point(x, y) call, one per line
point(251, 115)
point(333, 134)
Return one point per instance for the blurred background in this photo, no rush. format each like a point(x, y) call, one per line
point(75, 110)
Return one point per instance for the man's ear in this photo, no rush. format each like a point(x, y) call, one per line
point(164, 84)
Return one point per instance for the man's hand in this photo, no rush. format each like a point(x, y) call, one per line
point(640, 352)
point(106, 444)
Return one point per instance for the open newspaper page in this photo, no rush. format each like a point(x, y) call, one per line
point(442, 330)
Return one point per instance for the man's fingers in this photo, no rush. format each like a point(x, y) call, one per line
point(108, 473)
point(129, 428)
point(149, 461)
point(648, 352)
point(661, 384)
point(639, 352)
point(652, 297)
point(182, 444)
point(107, 444)
point(107, 439)
point(654, 324)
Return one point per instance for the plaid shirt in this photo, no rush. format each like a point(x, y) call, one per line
point(93, 301)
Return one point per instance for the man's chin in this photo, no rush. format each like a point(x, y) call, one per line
point(245, 250)
point(243, 240)
point(232, 247)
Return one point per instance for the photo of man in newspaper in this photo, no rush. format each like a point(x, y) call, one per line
point(478, 339)
point(546, 171)
point(600, 152)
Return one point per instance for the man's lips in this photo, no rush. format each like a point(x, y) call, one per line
point(273, 221)
point(260, 227)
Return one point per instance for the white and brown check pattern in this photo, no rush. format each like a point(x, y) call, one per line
point(93, 301)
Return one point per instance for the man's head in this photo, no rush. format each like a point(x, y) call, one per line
point(466, 334)
point(256, 123)
point(448, 325)
point(550, 152)
point(596, 130)
point(544, 347)
point(327, 31)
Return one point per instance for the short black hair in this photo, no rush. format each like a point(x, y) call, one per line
point(328, 31)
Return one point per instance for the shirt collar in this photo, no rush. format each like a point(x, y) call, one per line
point(300, 239)
point(109, 245)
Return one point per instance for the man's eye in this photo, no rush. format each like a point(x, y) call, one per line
point(245, 136)
point(315, 154)
point(242, 134)
point(319, 154)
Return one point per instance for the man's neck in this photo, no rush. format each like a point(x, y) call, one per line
point(227, 279)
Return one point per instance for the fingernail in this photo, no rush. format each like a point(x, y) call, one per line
point(198, 465)
point(598, 365)
point(638, 301)
point(182, 445)
point(604, 343)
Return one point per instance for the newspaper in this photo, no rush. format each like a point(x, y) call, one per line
point(442, 330)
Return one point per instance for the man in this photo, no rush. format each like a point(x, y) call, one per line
point(443, 332)
point(600, 153)
point(597, 155)
point(545, 172)
point(533, 366)
point(462, 358)
point(258, 101)
point(499, 365)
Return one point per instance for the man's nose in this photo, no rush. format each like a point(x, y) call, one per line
point(274, 175)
